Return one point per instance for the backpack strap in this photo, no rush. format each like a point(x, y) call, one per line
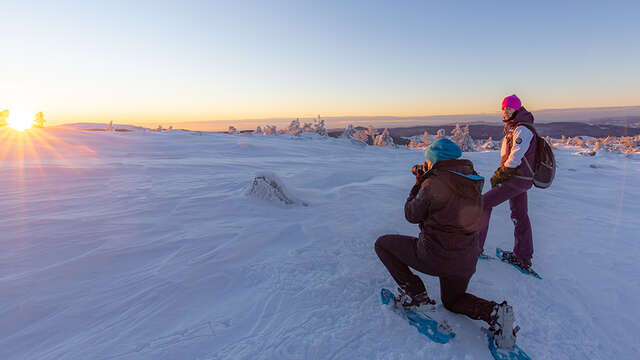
point(535, 133)
point(528, 126)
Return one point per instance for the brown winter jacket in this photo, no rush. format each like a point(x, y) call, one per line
point(448, 208)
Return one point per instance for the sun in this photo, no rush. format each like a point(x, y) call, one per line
point(20, 120)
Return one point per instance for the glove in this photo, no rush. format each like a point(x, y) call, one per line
point(501, 175)
point(496, 178)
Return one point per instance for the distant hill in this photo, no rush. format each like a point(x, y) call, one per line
point(484, 131)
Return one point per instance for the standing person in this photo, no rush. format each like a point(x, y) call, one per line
point(446, 202)
point(512, 180)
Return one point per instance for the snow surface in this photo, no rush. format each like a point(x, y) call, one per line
point(145, 245)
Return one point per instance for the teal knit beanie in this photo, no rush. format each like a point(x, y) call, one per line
point(442, 149)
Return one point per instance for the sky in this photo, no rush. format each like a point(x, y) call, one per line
point(172, 62)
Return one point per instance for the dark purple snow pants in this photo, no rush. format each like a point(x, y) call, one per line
point(516, 192)
point(399, 252)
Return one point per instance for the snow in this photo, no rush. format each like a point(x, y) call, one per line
point(145, 245)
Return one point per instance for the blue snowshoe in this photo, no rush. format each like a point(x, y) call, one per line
point(438, 331)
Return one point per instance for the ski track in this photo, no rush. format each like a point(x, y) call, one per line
point(144, 245)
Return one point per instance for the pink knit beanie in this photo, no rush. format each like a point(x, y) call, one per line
point(511, 102)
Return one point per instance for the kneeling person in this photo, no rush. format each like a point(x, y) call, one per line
point(446, 202)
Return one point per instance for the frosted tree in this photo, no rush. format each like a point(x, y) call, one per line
point(457, 135)
point(258, 130)
point(362, 135)
point(294, 127)
point(548, 140)
point(439, 134)
point(384, 139)
point(39, 120)
point(598, 145)
point(416, 144)
point(307, 127)
point(232, 130)
point(269, 130)
point(318, 127)
point(426, 138)
point(348, 132)
point(372, 132)
point(490, 144)
point(467, 143)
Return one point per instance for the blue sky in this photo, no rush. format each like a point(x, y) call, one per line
point(137, 61)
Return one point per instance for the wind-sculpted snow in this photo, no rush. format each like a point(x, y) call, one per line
point(145, 245)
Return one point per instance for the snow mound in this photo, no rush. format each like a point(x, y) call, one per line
point(268, 187)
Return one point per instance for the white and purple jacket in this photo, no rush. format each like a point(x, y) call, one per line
point(519, 147)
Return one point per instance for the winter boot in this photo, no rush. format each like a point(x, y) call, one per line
point(501, 321)
point(420, 300)
point(512, 258)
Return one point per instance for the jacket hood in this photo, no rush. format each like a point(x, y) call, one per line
point(520, 116)
point(461, 177)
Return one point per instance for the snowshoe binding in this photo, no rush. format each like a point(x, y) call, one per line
point(502, 334)
point(523, 265)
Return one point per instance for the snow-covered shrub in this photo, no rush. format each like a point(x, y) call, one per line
point(384, 139)
point(372, 132)
point(269, 187)
point(426, 138)
point(232, 130)
point(318, 127)
point(461, 137)
point(294, 127)
point(490, 144)
point(413, 144)
point(307, 127)
point(269, 130)
point(348, 132)
point(441, 133)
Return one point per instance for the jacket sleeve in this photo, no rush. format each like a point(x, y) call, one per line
point(521, 141)
point(416, 208)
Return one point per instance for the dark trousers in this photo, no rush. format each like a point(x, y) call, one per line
point(399, 253)
point(517, 196)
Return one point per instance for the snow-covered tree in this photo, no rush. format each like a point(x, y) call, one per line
point(461, 137)
point(348, 132)
point(39, 120)
point(318, 127)
point(232, 130)
point(384, 139)
point(258, 130)
point(307, 127)
point(426, 138)
point(159, 128)
point(269, 130)
point(490, 144)
point(414, 144)
point(457, 134)
point(294, 127)
point(372, 132)
point(439, 134)
point(110, 126)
